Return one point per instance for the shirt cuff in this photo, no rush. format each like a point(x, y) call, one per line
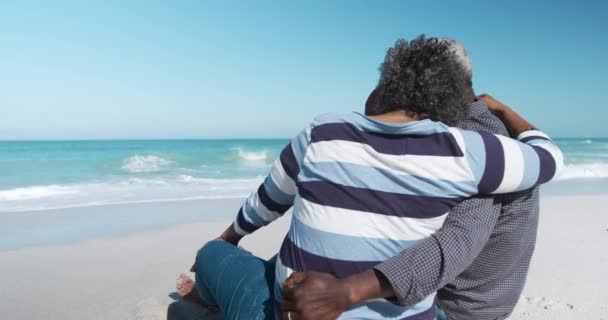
point(400, 278)
point(531, 134)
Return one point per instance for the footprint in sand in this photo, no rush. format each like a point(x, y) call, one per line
point(150, 309)
point(548, 304)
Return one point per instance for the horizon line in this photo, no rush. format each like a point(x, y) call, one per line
point(217, 139)
point(134, 139)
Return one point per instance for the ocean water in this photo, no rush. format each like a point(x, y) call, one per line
point(59, 174)
point(41, 175)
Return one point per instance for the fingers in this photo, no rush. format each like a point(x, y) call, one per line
point(287, 306)
point(183, 284)
point(291, 283)
point(184, 279)
point(298, 276)
point(290, 316)
point(294, 279)
point(288, 293)
point(178, 283)
point(485, 97)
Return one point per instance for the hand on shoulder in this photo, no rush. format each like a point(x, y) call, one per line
point(494, 105)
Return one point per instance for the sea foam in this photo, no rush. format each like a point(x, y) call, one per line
point(584, 171)
point(128, 190)
point(36, 192)
point(145, 164)
point(252, 155)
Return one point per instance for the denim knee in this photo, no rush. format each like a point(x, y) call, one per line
point(212, 251)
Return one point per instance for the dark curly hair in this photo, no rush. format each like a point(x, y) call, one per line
point(425, 77)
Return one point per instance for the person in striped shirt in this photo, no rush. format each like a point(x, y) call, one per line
point(364, 188)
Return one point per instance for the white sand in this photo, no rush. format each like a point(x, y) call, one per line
point(130, 277)
point(569, 273)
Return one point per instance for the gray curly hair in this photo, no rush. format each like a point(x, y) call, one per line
point(426, 77)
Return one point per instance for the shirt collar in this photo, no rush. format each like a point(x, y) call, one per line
point(477, 109)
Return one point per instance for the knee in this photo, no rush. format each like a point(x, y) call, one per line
point(211, 251)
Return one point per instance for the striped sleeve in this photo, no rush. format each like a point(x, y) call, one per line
point(276, 194)
point(507, 165)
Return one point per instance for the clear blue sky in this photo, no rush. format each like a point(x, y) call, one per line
point(225, 69)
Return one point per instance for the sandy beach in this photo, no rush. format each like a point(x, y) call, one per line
point(132, 132)
point(131, 276)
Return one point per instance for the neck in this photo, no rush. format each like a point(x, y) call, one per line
point(398, 116)
point(470, 96)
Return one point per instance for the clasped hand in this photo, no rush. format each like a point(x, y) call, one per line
point(314, 296)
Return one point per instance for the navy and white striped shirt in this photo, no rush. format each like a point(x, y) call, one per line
point(362, 191)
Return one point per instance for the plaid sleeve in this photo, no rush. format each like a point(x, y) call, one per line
point(435, 261)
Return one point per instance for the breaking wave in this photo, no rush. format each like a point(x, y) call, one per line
point(130, 190)
point(584, 171)
point(252, 155)
point(145, 164)
point(36, 192)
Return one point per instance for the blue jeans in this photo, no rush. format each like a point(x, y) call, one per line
point(240, 284)
point(186, 310)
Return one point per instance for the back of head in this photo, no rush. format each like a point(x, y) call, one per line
point(427, 77)
point(460, 55)
point(373, 105)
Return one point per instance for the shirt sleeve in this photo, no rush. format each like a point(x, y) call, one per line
point(504, 165)
point(435, 261)
point(276, 194)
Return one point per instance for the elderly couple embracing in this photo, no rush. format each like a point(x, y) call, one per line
point(422, 206)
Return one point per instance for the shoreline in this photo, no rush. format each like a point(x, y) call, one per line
point(582, 186)
point(74, 225)
point(571, 186)
point(125, 203)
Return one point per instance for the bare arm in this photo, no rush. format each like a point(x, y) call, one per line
point(515, 124)
point(230, 235)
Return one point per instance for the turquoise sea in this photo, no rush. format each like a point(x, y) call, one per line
point(40, 175)
point(39, 179)
point(58, 174)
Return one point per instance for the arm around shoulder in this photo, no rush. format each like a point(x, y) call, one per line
point(529, 159)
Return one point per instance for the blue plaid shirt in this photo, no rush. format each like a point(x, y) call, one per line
point(478, 261)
